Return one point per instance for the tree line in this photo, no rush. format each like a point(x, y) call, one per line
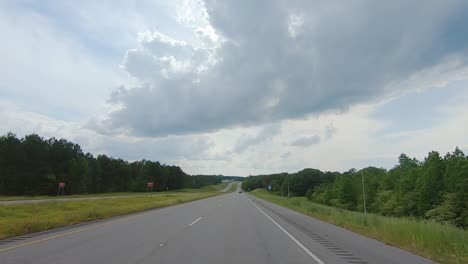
point(435, 188)
point(33, 165)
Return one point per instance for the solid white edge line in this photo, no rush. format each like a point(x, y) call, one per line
point(319, 261)
point(194, 222)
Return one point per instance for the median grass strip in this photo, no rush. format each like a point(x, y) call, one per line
point(442, 243)
point(22, 219)
point(45, 197)
point(208, 188)
point(233, 187)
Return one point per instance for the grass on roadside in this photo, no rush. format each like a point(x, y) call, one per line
point(22, 219)
point(209, 188)
point(442, 243)
point(45, 197)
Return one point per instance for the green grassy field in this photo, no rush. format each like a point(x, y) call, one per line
point(442, 243)
point(22, 219)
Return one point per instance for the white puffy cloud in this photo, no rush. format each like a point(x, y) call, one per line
point(160, 57)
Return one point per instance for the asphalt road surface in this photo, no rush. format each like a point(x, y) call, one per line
point(231, 228)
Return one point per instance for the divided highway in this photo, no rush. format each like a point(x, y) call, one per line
point(231, 228)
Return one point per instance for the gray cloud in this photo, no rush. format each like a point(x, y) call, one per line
point(167, 150)
point(306, 141)
point(285, 60)
point(267, 132)
point(330, 130)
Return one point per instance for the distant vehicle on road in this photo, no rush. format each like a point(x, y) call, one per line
point(240, 191)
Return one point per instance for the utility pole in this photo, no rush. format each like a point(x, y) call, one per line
point(363, 192)
point(288, 187)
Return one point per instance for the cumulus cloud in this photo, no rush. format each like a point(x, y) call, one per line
point(306, 141)
point(279, 60)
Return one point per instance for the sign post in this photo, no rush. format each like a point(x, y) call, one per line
point(149, 186)
point(61, 186)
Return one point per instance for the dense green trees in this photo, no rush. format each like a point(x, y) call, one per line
point(33, 165)
point(435, 188)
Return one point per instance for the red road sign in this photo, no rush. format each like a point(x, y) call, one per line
point(150, 184)
point(61, 184)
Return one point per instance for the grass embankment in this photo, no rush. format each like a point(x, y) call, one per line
point(22, 219)
point(442, 243)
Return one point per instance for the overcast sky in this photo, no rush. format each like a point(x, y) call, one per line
point(239, 87)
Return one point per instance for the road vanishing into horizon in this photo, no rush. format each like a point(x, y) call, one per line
point(230, 228)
